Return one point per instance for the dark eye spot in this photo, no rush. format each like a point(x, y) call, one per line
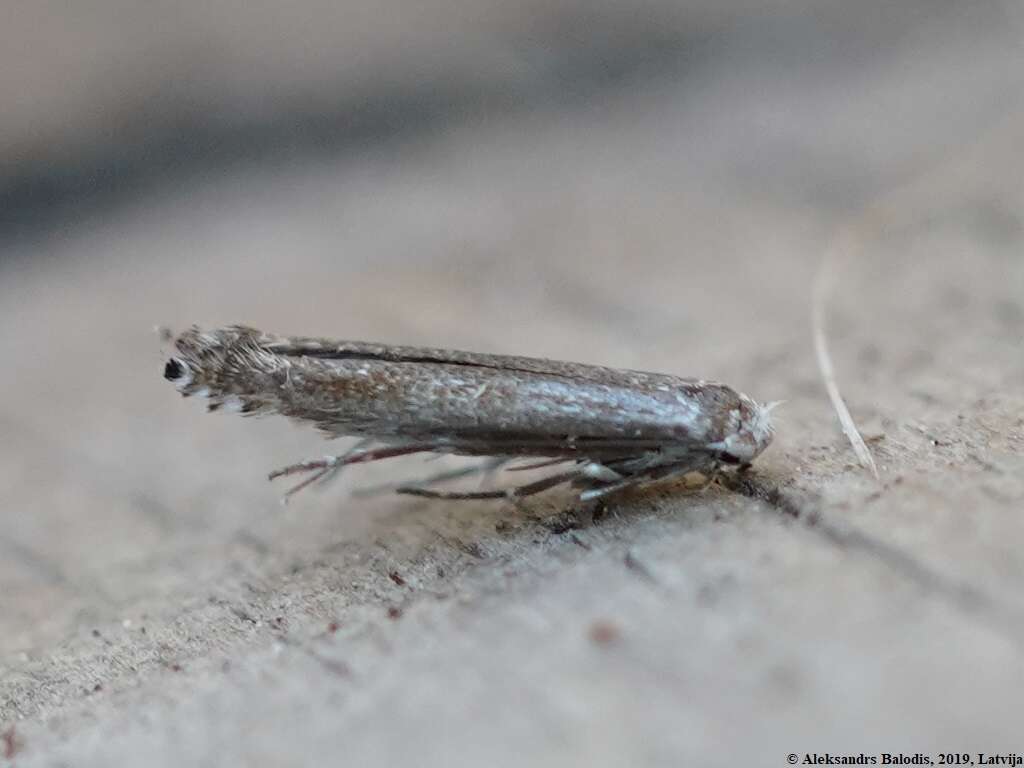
point(173, 370)
point(728, 458)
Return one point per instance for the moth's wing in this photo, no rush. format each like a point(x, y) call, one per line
point(329, 349)
point(463, 402)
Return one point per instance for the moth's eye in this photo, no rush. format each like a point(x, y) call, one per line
point(173, 370)
point(728, 458)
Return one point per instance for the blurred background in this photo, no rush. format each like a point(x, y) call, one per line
point(643, 184)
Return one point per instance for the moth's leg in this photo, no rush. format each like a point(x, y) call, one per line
point(605, 490)
point(656, 473)
point(518, 492)
point(539, 464)
point(601, 472)
point(325, 475)
point(711, 476)
point(329, 464)
point(588, 473)
point(483, 468)
point(427, 493)
point(353, 457)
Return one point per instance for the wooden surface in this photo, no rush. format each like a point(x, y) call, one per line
point(161, 607)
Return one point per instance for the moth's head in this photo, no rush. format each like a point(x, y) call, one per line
point(753, 431)
point(213, 364)
point(196, 359)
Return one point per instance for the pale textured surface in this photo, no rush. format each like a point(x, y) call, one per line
point(160, 607)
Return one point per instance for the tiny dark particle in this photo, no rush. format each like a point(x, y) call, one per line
point(604, 632)
point(334, 666)
point(472, 549)
point(394, 612)
point(333, 627)
point(12, 744)
point(242, 614)
point(579, 542)
point(561, 523)
point(638, 568)
point(397, 578)
point(97, 688)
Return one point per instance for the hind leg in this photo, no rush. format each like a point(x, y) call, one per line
point(321, 468)
point(517, 492)
point(485, 468)
point(654, 474)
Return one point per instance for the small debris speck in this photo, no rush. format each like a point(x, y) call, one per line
point(638, 568)
point(579, 542)
point(12, 744)
point(603, 632)
point(561, 523)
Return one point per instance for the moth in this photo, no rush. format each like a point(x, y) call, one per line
point(607, 429)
